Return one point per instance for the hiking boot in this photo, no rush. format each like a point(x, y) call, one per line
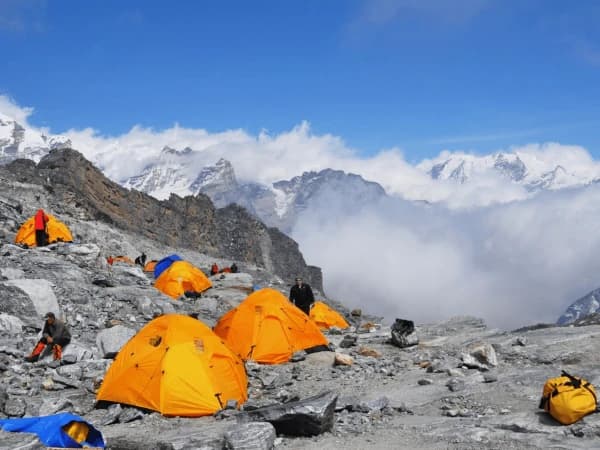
point(35, 354)
point(57, 352)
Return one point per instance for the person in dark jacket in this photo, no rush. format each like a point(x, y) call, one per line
point(141, 260)
point(302, 296)
point(41, 234)
point(55, 333)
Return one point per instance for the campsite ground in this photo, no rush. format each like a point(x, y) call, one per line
point(418, 397)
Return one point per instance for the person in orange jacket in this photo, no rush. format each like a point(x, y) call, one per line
point(56, 334)
point(41, 234)
point(214, 269)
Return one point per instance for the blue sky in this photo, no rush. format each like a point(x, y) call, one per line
point(422, 75)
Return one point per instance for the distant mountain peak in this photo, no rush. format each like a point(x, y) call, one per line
point(580, 308)
point(166, 150)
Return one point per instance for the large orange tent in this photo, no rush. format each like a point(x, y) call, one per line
point(181, 277)
point(177, 366)
point(325, 317)
point(57, 232)
point(267, 328)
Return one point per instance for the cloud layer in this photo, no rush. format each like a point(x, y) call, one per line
point(512, 264)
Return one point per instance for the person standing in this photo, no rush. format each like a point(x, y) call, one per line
point(41, 234)
point(56, 334)
point(302, 296)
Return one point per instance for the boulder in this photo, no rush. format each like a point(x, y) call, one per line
point(348, 341)
point(15, 407)
point(366, 351)
point(250, 436)
point(41, 294)
point(404, 334)
point(75, 352)
point(111, 340)
point(10, 324)
point(308, 417)
point(480, 356)
point(341, 359)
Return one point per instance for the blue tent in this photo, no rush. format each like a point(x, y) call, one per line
point(164, 264)
point(50, 430)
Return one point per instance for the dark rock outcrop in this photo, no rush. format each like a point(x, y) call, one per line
point(308, 417)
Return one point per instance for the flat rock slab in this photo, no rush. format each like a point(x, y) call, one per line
point(251, 436)
point(41, 294)
point(308, 417)
point(111, 340)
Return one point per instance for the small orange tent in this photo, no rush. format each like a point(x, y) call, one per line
point(122, 259)
point(57, 232)
point(267, 328)
point(181, 277)
point(150, 265)
point(325, 317)
point(177, 366)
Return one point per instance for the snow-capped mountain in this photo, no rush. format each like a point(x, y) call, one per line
point(168, 174)
point(523, 168)
point(16, 141)
point(586, 305)
point(278, 205)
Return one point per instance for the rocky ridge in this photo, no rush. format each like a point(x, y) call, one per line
point(68, 185)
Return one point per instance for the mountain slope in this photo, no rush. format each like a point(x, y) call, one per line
point(68, 182)
point(580, 308)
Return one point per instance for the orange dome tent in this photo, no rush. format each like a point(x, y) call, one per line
point(181, 277)
point(57, 232)
point(122, 259)
point(177, 366)
point(150, 265)
point(325, 317)
point(267, 328)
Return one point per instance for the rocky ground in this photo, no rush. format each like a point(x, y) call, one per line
point(463, 385)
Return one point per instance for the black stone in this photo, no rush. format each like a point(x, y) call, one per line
point(308, 417)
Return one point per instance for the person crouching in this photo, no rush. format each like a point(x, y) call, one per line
point(56, 334)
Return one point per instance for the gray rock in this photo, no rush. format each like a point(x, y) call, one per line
point(490, 377)
point(130, 414)
point(77, 352)
point(111, 340)
point(485, 354)
point(455, 384)
point(127, 443)
point(41, 294)
point(404, 334)
point(51, 407)
point(348, 341)
point(15, 407)
point(308, 417)
point(250, 436)
point(424, 381)
point(3, 398)
point(472, 363)
point(10, 324)
point(372, 406)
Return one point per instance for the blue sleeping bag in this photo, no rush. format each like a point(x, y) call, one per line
point(50, 430)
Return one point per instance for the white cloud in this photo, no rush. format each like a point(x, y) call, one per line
point(512, 264)
point(9, 108)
